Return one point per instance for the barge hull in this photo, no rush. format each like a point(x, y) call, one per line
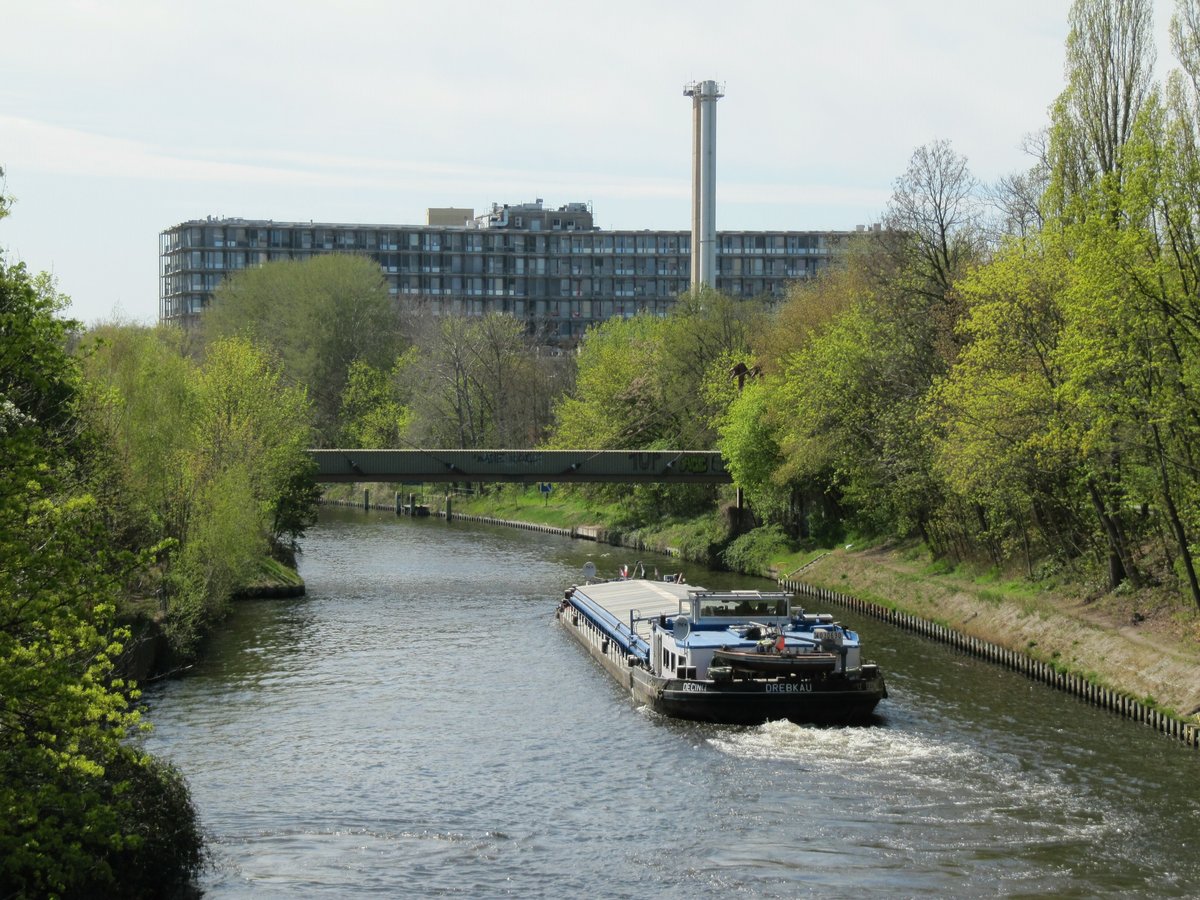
point(828, 701)
point(752, 704)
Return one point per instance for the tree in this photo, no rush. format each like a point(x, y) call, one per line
point(211, 458)
point(1018, 198)
point(139, 393)
point(375, 412)
point(477, 381)
point(808, 307)
point(317, 316)
point(615, 404)
point(705, 334)
point(71, 791)
point(749, 445)
point(934, 222)
point(996, 418)
point(850, 396)
point(1109, 66)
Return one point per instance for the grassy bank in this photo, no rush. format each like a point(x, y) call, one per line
point(272, 579)
point(1146, 645)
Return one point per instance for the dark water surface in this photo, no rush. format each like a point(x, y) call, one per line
point(418, 726)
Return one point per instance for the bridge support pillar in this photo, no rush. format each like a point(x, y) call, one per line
point(449, 513)
point(366, 498)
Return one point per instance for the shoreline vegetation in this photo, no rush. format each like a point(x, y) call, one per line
point(1144, 646)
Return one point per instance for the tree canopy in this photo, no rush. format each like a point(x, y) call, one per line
point(75, 798)
point(317, 317)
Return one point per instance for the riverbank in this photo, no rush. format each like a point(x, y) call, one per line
point(149, 655)
point(1145, 645)
point(272, 580)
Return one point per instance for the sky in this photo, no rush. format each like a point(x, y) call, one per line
point(121, 118)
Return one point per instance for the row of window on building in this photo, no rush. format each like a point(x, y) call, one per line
point(469, 240)
point(458, 264)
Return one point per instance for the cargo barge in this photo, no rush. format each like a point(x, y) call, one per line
point(735, 657)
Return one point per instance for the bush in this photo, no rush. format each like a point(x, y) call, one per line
point(164, 849)
point(126, 831)
point(754, 551)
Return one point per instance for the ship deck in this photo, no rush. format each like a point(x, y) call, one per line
point(647, 598)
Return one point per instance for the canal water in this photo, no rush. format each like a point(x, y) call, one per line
point(418, 726)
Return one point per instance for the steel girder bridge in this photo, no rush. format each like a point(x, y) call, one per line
point(521, 466)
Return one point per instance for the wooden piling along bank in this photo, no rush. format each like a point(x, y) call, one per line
point(1088, 691)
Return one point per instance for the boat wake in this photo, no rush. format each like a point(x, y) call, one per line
point(931, 780)
point(810, 745)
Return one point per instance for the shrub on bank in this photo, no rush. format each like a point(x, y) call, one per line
point(755, 551)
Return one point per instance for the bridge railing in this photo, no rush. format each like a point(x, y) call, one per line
point(521, 466)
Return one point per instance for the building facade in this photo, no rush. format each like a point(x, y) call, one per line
point(550, 267)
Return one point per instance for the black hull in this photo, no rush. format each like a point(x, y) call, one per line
point(830, 701)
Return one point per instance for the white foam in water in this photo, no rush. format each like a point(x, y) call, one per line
point(930, 777)
point(813, 745)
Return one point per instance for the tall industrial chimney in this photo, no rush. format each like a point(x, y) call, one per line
point(705, 95)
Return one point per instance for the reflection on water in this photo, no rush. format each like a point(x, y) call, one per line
point(417, 726)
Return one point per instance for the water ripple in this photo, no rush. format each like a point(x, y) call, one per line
point(417, 726)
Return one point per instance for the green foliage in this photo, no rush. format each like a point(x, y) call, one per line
point(164, 849)
point(699, 538)
point(756, 551)
point(749, 444)
point(210, 458)
point(648, 383)
point(704, 336)
point(69, 799)
point(248, 416)
point(317, 316)
point(374, 411)
point(617, 402)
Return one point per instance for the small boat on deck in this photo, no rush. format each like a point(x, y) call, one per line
point(737, 657)
point(772, 661)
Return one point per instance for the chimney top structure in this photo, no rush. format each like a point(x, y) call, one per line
point(705, 95)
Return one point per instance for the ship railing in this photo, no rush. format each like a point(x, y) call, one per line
point(627, 639)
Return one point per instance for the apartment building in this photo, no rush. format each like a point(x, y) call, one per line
point(550, 267)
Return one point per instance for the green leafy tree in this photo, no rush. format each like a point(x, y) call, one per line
point(1109, 67)
point(317, 316)
point(374, 408)
point(849, 397)
point(139, 388)
point(749, 445)
point(617, 401)
point(250, 480)
point(650, 383)
point(996, 419)
point(210, 457)
point(705, 334)
point(71, 791)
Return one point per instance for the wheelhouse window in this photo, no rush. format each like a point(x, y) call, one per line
point(742, 607)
